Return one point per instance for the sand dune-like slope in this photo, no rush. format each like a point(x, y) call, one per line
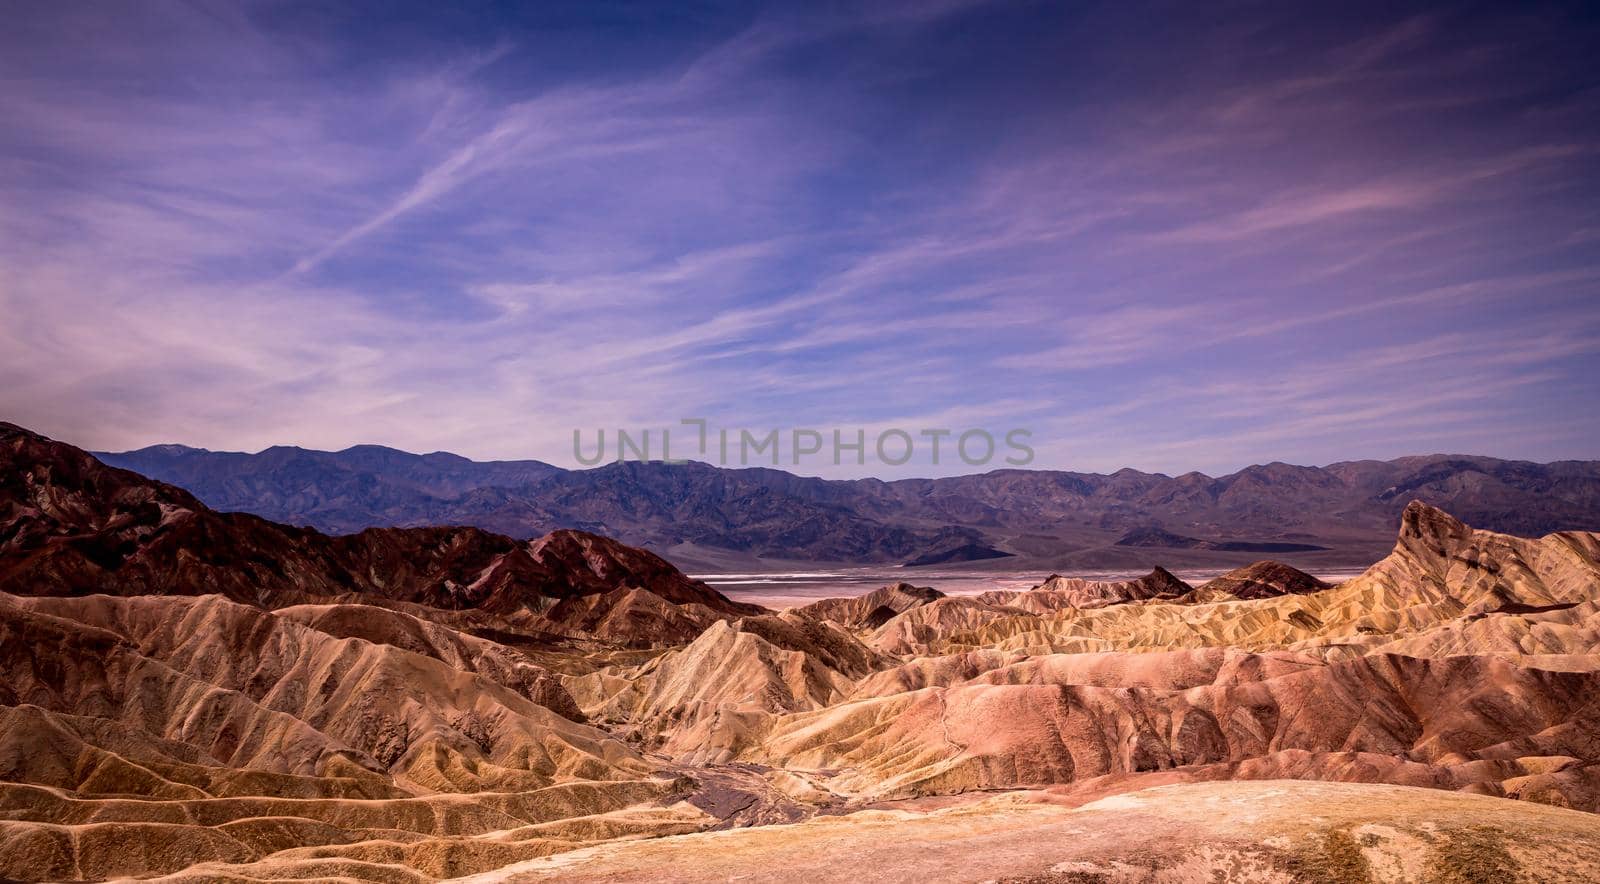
point(1268, 833)
point(202, 696)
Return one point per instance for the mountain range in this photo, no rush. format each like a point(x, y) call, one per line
point(703, 516)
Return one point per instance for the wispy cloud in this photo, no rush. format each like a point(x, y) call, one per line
point(247, 228)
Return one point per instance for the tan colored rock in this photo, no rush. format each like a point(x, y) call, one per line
point(874, 609)
point(1268, 832)
point(717, 696)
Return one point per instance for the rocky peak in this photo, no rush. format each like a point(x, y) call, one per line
point(1261, 580)
point(1430, 529)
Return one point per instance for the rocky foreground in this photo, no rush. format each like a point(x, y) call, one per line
point(1274, 831)
point(209, 696)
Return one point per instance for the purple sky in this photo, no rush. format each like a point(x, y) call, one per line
point(1172, 237)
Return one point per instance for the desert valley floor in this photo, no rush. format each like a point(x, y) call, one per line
point(191, 695)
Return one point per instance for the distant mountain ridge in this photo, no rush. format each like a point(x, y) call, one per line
point(1021, 518)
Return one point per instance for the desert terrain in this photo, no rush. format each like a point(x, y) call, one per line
point(191, 695)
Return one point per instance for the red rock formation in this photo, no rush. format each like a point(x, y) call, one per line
point(1261, 580)
point(70, 525)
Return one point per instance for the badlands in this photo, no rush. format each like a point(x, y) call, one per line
point(191, 695)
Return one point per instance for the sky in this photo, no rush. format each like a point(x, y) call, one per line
point(1164, 236)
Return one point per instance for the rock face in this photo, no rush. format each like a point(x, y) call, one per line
point(210, 696)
